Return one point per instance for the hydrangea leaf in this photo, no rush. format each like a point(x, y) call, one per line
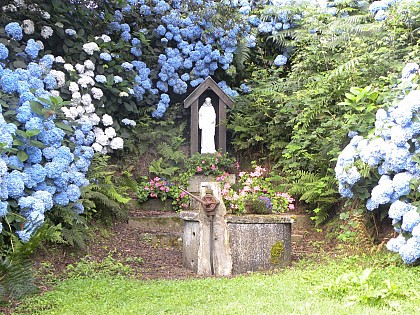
point(22, 156)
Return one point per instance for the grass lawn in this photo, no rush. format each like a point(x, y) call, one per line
point(342, 286)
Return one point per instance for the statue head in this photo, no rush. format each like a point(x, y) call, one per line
point(207, 101)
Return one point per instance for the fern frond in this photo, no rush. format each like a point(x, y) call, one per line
point(346, 67)
point(282, 37)
point(242, 54)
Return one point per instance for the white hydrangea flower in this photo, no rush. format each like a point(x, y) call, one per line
point(46, 31)
point(90, 48)
point(90, 109)
point(65, 111)
point(20, 3)
point(89, 73)
point(59, 24)
point(59, 59)
point(94, 119)
point(97, 147)
point(117, 143)
point(84, 81)
point(98, 131)
point(86, 99)
point(130, 91)
point(89, 65)
point(123, 94)
point(28, 27)
point(97, 93)
point(73, 87)
point(9, 8)
point(102, 140)
point(55, 93)
point(68, 67)
point(73, 112)
point(59, 76)
point(76, 97)
point(45, 15)
point(105, 38)
point(80, 68)
point(80, 110)
point(107, 120)
point(110, 132)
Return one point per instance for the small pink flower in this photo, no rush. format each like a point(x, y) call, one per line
point(157, 179)
point(203, 162)
point(162, 188)
point(153, 195)
point(237, 165)
point(146, 188)
point(199, 169)
point(291, 206)
point(213, 167)
point(218, 154)
point(182, 194)
point(246, 189)
point(241, 174)
point(184, 205)
point(257, 188)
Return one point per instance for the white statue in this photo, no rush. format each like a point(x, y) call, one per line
point(207, 124)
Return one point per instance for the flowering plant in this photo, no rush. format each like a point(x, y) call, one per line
point(211, 164)
point(162, 189)
point(256, 192)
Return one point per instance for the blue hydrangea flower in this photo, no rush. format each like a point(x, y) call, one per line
point(128, 122)
point(410, 251)
point(280, 60)
point(14, 30)
point(4, 209)
point(70, 32)
point(100, 78)
point(73, 192)
point(32, 48)
point(395, 244)
point(4, 52)
point(61, 199)
point(14, 184)
point(78, 208)
point(410, 220)
point(398, 209)
point(35, 174)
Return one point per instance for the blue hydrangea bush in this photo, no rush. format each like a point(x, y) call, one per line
point(44, 158)
point(391, 153)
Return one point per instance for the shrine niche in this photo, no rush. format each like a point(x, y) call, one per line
point(208, 94)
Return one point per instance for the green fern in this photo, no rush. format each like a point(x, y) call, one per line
point(16, 276)
point(318, 190)
point(242, 54)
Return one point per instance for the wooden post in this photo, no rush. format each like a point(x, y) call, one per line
point(222, 126)
point(194, 128)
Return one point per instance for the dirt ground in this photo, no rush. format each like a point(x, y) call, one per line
point(123, 243)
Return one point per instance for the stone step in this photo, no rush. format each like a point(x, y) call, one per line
point(165, 223)
point(161, 239)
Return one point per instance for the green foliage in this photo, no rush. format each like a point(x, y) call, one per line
point(108, 266)
point(360, 288)
point(297, 117)
point(16, 275)
point(106, 196)
point(295, 290)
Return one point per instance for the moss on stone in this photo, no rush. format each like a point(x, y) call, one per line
point(276, 253)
